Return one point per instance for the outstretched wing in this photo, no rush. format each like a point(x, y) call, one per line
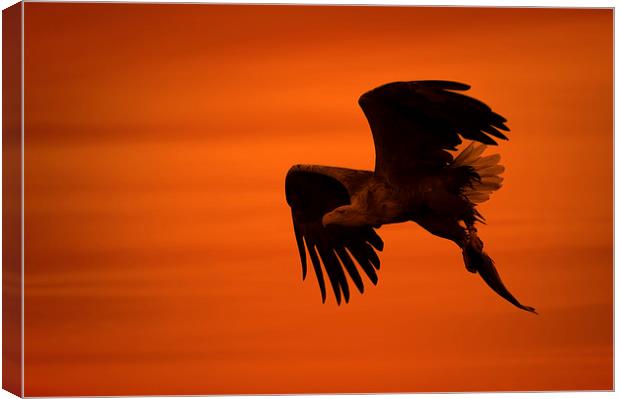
point(414, 124)
point(312, 191)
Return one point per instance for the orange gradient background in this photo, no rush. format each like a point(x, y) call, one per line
point(160, 256)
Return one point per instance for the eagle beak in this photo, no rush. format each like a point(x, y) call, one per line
point(327, 219)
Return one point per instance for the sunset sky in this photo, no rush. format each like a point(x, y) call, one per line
point(160, 256)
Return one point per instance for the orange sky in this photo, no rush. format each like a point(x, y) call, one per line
point(160, 256)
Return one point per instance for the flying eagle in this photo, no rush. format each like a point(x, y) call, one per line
point(414, 127)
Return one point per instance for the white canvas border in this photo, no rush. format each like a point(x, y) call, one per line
point(480, 3)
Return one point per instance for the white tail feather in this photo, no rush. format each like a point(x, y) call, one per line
point(487, 167)
point(493, 179)
point(468, 155)
point(484, 162)
point(490, 171)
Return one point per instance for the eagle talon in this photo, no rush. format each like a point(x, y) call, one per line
point(468, 263)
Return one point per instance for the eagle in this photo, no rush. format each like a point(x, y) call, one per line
point(419, 176)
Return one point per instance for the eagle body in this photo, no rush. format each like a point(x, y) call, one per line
point(416, 128)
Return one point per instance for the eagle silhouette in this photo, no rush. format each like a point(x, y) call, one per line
point(414, 127)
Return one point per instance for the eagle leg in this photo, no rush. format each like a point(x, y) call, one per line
point(472, 248)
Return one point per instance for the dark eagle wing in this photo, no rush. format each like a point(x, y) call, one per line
point(414, 124)
point(312, 191)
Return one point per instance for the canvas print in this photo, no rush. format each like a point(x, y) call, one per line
point(285, 199)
